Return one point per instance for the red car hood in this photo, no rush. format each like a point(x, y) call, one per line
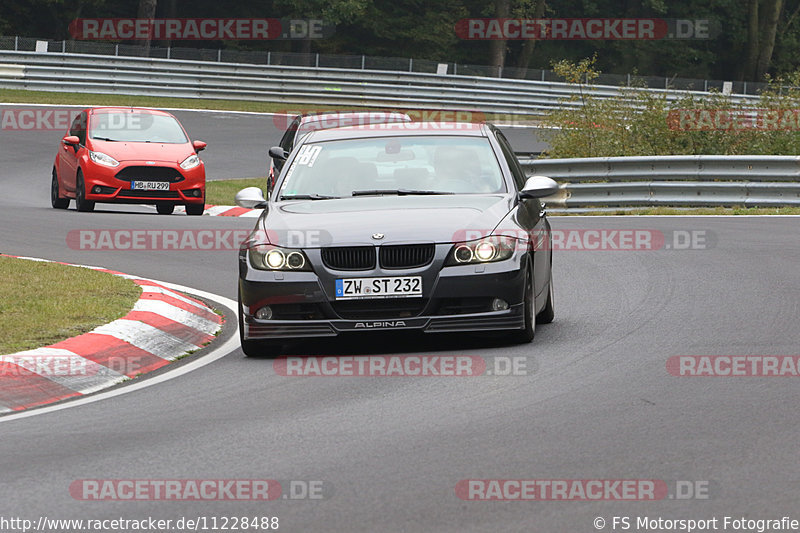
point(127, 151)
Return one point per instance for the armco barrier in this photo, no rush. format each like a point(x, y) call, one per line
point(296, 85)
point(695, 181)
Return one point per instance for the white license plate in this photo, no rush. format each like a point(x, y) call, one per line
point(394, 287)
point(150, 185)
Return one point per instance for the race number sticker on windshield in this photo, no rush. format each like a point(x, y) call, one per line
point(308, 155)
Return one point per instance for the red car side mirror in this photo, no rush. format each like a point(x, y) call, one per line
point(71, 139)
point(199, 145)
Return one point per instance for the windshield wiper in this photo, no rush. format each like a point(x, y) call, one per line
point(105, 139)
point(307, 197)
point(398, 192)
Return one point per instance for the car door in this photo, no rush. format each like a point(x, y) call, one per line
point(68, 161)
point(531, 217)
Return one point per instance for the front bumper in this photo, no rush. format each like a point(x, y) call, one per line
point(103, 184)
point(455, 299)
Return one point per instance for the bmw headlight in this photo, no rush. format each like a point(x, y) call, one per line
point(269, 257)
point(486, 250)
point(190, 162)
point(103, 159)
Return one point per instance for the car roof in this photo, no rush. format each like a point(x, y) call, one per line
point(468, 129)
point(374, 117)
point(120, 109)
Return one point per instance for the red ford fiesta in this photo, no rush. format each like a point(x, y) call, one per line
point(128, 155)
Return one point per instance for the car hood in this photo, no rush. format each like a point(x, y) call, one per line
point(401, 219)
point(131, 151)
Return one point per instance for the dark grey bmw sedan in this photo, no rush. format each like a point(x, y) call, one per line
point(408, 226)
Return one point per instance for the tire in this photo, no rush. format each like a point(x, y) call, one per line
point(165, 209)
point(253, 348)
point(527, 333)
point(547, 314)
point(55, 199)
point(81, 203)
point(195, 210)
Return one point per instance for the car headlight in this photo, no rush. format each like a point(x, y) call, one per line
point(486, 250)
point(269, 257)
point(190, 162)
point(103, 159)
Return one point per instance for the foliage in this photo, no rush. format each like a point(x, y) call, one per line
point(648, 123)
point(424, 29)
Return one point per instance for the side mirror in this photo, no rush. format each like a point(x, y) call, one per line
point(251, 198)
point(276, 152)
point(538, 187)
point(71, 140)
point(199, 146)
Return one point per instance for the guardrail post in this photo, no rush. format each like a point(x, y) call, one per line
point(219, 55)
point(705, 88)
point(169, 52)
point(316, 61)
point(116, 49)
point(410, 65)
point(363, 61)
point(64, 46)
point(269, 57)
point(16, 42)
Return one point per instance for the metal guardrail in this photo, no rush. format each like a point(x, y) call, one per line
point(296, 85)
point(691, 181)
point(363, 62)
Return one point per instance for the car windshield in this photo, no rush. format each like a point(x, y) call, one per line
point(136, 127)
point(394, 165)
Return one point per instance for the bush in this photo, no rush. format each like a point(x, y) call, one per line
point(641, 123)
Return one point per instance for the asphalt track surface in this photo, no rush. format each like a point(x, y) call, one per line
point(597, 403)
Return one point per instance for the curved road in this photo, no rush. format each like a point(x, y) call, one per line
point(597, 402)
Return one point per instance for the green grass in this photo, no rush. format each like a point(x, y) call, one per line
point(43, 303)
point(222, 192)
point(12, 96)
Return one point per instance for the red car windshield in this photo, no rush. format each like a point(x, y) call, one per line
point(136, 127)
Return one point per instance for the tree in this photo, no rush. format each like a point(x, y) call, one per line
point(537, 11)
point(147, 10)
point(762, 28)
point(497, 47)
